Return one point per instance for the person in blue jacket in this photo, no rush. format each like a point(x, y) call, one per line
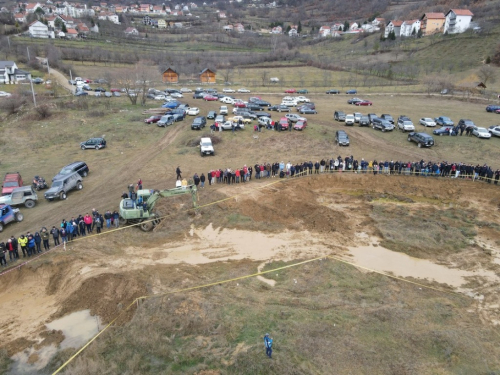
point(268, 343)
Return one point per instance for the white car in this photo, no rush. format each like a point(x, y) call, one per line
point(302, 99)
point(289, 103)
point(264, 120)
point(357, 116)
point(227, 90)
point(193, 111)
point(160, 97)
point(228, 125)
point(481, 133)
point(427, 121)
point(293, 117)
point(227, 100)
point(494, 130)
point(185, 89)
point(5, 94)
point(349, 119)
point(223, 110)
point(176, 95)
point(244, 90)
point(288, 98)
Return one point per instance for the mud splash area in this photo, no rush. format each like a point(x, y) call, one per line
point(446, 236)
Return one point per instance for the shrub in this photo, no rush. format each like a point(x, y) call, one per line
point(43, 111)
point(13, 104)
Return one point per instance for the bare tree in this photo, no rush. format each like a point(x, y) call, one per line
point(487, 73)
point(274, 42)
point(227, 73)
point(136, 82)
point(263, 76)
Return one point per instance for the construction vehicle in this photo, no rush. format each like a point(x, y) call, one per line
point(142, 209)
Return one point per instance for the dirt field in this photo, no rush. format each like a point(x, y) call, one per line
point(386, 326)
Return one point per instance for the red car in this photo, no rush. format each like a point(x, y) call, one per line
point(290, 91)
point(152, 120)
point(115, 90)
point(210, 98)
point(300, 125)
point(87, 80)
point(283, 124)
point(497, 111)
point(363, 103)
point(240, 105)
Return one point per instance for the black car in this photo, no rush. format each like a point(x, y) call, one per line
point(387, 117)
point(283, 108)
point(211, 115)
point(199, 123)
point(333, 91)
point(339, 116)
point(371, 117)
point(273, 107)
point(351, 92)
point(37, 81)
point(99, 89)
point(262, 114)
point(467, 123)
point(77, 166)
point(94, 143)
point(246, 114)
point(421, 139)
point(81, 93)
point(341, 138)
point(262, 103)
point(308, 111)
point(354, 100)
point(253, 107)
point(383, 125)
point(198, 95)
point(306, 105)
point(492, 108)
point(364, 121)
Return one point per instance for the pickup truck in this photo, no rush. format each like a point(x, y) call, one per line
point(21, 195)
point(8, 215)
point(10, 182)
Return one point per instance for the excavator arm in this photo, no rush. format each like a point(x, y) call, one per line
point(189, 189)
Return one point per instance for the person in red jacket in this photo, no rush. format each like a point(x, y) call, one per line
point(87, 219)
point(237, 174)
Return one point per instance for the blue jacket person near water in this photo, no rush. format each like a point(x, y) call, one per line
point(268, 343)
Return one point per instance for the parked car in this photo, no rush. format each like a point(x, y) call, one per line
point(339, 116)
point(364, 121)
point(494, 130)
point(405, 124)
point(206, 147)
point(481, 133)
point(5, 94)
point(81, 93)
point(282, 108)
point(60, 187)
point(283, 124)
point(290, 91)
point(307, 111)
point(228, 125)
point(262, 114)
point(351, 92)
point(467, 123)
point(117, 94)
point(262, 103)
point(274, 107)
point(305, 105)
point(349, 120)
point(443, 120)
point(364, 103)
point(108, 94)
point(193, 111)
point(8, 215)
point(176, 95)
point(371, 117)
point(210, 98)
point(199, 123)
point(166, 120)
point(212, 114)
point(237, 118)
point(354, 100)
point(294, 117)
point(445, 91)
point(427, 121)
point(341, 138)
point(171, 105)
point(99, 89)
point(240, 104)
point(185, 89)
point(198, 95)
point(24, 195)
point(37, 81)
point(302, 99)
point(226, 89)
point(421, 139)
point(11, 181)
point(444, 130)
point(333, 91)
point(94, 143)
point(387, 117)
point(357, 116)
point(226, 100)
point(289, 103)
point(302, 91)
point(243, 90)
point(383, 125)
point(78, 166)
point(300, 125)
point(492, 108)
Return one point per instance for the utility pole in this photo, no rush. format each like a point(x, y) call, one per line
point(70, 75)
point(28, 49)
point(33, 92)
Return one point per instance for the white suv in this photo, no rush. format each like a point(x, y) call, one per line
point(223, 110)
point(349, 119)
point(206, 147)
point(405, 124)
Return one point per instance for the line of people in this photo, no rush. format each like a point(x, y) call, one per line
point(31, 244)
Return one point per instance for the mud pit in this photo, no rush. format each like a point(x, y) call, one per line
point(348, 216)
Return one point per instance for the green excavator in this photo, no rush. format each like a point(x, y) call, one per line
point(142, 210)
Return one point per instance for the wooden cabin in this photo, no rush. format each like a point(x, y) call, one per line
point(170, 76)
point(207, 76)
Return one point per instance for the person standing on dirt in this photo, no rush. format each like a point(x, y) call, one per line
point(196, 179)
point(202, 180)
point(178, 172)
point(95, 213)
point(98, 223)
point(45, 238)
point(31, 245)
point(139, 184)
point(81, 226)
point(64, 237)
point(23, 242)
point(268, 344)
point(3, 261)
point(15, 243)
point(116, 218)
point(87, 219)
point(107, 217)
point(10, 248)
point(38, 242)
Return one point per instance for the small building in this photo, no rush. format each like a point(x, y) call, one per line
point(38, 29)
point(457, 21)
point(391, 26)
point(20, 17)
point(409, 27)
point(207, 76)
point(292, 33)
point(131, 31)
point(162, 24)
point(324, 31)
point(10, 73)
point(432, 23)
point(71, 34)
point(170, 76)
point(277, 30)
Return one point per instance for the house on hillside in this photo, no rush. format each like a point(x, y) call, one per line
point(162, 24)
point(31, 7)
point(432, 23)
point(277, 30)
point(354, 26)
point(20, 17)
point(72, 33)
point(131, 31)
point(170, 76)
point(238, 27)
point(409, 27)
point(457, 21)
point(293, 32)
point(207, 76)
point(146, 20)
point(378, 22)
point(393, 25)
point(324, 31)
point(10, 73)
point(38, 29)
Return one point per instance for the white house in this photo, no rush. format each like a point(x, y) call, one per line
point(369, 28)
point(113, 18)
point(393, 25)
point(457, 21)
point(227, 28)
point(20, 17)
point(324, 31)
point(31, 7)
point(131, 31)
point(354, 26)
point(277, 30)
point(38, 29)
point(409, 27)
point(293, 32)
point(10, 73)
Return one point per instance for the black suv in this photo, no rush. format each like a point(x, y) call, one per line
point(421, 139)
point(387, 117)
point(341, 138)
point(94, 143)
point(364, 121)
point(78, 166)
point(199, 123)
point(339, 116)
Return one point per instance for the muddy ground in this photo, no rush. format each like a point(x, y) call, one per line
point(451, 224)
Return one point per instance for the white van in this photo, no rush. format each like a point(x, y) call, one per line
point(223, 110)
point(206, 147)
